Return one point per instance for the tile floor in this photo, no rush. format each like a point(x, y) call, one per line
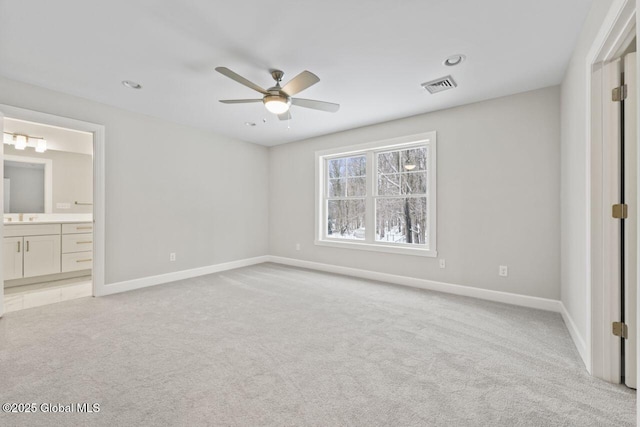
point(29, 296)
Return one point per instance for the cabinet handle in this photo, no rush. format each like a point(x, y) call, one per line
point(84, 228)
point(27, 246)
point(18, 247)
point(84, 260)
point(84, 242)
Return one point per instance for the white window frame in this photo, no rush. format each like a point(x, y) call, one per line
point(371, 150)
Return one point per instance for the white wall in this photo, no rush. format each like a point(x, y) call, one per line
point(498, 196)
point(574, 179)
point(169, 188)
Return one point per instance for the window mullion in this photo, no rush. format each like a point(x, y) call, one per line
point(370, 228)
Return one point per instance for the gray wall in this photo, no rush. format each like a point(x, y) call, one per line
point(169, 188)
point(574, 209)
point(172, 188)
point(72, 177)
point(498, 196)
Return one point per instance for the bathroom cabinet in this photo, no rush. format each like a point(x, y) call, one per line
point(32, 250)
point(31, 256)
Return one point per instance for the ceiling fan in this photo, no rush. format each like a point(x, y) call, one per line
point(278, 99)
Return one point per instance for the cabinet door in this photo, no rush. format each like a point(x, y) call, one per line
point(12, 258)
point(41, 255)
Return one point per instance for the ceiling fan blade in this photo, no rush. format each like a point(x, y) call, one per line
point(300, 82)
point(239, 101)
point(237, 77)
point(285, 116)
point(316, 105)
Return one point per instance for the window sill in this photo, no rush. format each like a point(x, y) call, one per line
point(378, 248)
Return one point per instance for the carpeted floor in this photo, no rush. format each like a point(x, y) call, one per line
point(270, 345)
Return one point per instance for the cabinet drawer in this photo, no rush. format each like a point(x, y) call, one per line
point(31, 230)
point(82, 227)
point(77, 242)
point(77, 261)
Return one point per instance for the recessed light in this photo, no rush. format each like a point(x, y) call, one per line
point(454, 60)
point(131, 85)
point(249, 123)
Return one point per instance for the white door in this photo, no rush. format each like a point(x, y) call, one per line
point(41, 255)
point(631, 222)
point(12, 257)
point(611, 275)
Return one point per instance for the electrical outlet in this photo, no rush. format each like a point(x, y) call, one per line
point(297, 246)
point(503, 271)
point(172, 256)
point(443, 264)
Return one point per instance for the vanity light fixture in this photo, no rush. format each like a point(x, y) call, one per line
point(20, 141)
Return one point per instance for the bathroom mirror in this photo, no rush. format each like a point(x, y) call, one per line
point(27, 184)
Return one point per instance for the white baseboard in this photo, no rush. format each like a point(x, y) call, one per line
point(143, 282)
point(497, 296)
point(578, 340)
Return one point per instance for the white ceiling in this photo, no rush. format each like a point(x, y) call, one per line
point(371, 56)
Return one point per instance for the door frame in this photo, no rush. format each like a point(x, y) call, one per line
point(98, 131)
point(603, 304)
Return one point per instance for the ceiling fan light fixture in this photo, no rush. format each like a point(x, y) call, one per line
point(277, 104)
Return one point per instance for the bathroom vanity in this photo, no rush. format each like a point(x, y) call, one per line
point(46, 248)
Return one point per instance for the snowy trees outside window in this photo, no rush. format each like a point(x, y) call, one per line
point(401, 200)
point(346, 192)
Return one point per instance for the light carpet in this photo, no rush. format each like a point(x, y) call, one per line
point(270, 345)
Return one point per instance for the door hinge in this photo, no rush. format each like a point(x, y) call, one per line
point(619, 211)
point(619, 93)
point(619, 329)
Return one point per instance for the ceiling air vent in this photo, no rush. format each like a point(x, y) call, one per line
point(439, 85)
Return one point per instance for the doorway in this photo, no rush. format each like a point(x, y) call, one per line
point(50, 254)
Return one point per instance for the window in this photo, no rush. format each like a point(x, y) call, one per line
point(379, 196)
